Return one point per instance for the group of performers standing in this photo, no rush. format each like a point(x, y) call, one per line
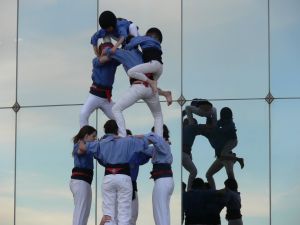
point(118, 151)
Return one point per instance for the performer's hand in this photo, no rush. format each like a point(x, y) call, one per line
point(82, 147)
point(105, 219)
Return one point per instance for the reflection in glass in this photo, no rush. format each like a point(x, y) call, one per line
point(285, 33)
point(44, 148)
point(250, 119)
point(285, 162)
point(8, 24)
point(139, 120)
point(225, 45)
point(7, 151)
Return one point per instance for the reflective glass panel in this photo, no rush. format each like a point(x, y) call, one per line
point(285, 165)
point(251, 121)
point(44, 164)
point(139, 120)
point(8, 27)
point(55, 57)
point(7, 151)
point(285, 34)
point(225, 49)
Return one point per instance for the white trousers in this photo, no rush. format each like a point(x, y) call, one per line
point(133, 30)
point(117, 193)
point(131, 96)
point(93, 102)
point(138, 72)
point(161, 195)
point(82, 194)
point(134, 209)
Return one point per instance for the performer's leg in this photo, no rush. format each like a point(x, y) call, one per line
point(162, 191)
point(124, 199)
point(131, 96)
point(93, 102)
point(189, 165)
point(109, 196)
point(154, 105)
point(106, 107)
point(215, 167)
point(82, 194)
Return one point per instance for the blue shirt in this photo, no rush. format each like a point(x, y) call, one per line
point(161, 151)
point(138, 159)
point(104, 73)
point(144, 42)
point(128, 58)
point(112, 149)
point(121, 30)
point(84, 161)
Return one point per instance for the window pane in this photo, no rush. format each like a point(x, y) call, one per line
point(285, 35)
point(7, 159)
point(251, 121)
point(139, 121)
point(55, 56)
point(44, 164)
point(225, 49)
point(8, 27)
point(285, 163)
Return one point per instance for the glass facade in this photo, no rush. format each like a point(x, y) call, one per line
point(239, 54)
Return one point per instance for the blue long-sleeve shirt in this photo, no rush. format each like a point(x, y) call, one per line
point(121, 30)
point(112, 149)
point(161, 151)
point(83, 161)
point(138, 159)
point(128, 58)
point(144, 42)
point(104, 73)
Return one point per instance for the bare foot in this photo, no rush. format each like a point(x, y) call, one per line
point(153, 85)
point(169, 97)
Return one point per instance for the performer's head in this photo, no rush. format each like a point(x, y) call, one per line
point(108, 21)
point(155, 33)
point(111, 127)
point(166, 132)
point(198, 183)
point(204, 104)
point(231, 184)
point(86, 133)
point(226, 113)
point(128, 132)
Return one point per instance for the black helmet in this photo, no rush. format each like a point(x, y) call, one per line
point(107, 19)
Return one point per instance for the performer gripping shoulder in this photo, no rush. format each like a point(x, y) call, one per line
point(117, 28)
point(103, 77)
point(82, 176)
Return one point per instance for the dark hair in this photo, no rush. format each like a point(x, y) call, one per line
point(85, 130)
point(128, 132)
point(107, 19)
point(231, 184)
point(198, 183)
point(165, 132)
point(198, 102)
point(155, 33)
point(111, 127)
point(105, 45)
point(226, 113)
